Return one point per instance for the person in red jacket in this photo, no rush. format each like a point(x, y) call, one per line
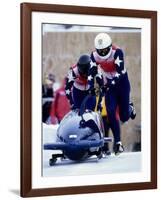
point(60, 106)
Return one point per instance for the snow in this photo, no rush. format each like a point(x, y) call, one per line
point(125, 162)
point(49, 133)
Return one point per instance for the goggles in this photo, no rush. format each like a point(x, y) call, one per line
point(105, 51)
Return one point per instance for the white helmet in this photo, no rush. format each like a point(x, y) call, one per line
point(103, 45)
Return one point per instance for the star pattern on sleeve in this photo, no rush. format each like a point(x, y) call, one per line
point(113, 82)
point(99, 75)
point(93, 64)
point(90, 78)
point(118, 61)
point(123, 71)
point(67, 92)
point(117, 75)
point(70, 76)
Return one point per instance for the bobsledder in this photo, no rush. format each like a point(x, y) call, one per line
point(80, 135)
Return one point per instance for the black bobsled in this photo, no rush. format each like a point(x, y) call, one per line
point(79, 136)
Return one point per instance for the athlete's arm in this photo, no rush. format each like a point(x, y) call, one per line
point(69, 84)
point(119, 65)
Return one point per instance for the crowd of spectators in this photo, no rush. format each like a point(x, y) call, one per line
point(55, 105)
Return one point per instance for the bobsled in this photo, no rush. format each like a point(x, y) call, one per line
point(79, 136)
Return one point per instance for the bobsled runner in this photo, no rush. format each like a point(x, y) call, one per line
point(80, 135)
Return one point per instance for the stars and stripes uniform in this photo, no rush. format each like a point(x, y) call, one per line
point(117, 96)
point(113, 68)
point(78, 85)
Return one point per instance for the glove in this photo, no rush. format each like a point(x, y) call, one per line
point(104, 89)
point(99, 107)
point(93, 71)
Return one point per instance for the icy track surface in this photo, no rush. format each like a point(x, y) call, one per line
point(125, 162)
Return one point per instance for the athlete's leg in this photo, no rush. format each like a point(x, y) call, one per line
point(111, 106)
point(106, 125)
point(125, 110)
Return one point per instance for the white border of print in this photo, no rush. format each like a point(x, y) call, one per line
point(49, 182)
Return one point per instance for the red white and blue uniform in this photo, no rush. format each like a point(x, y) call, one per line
point(78, 86)
point(113, 67)
point(116, 79)
point(80, 82)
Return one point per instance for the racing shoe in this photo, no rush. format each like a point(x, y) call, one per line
point(105, 150)
point(133, 111)
point(118, 148)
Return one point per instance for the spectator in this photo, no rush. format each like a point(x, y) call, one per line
point(55, 84)
point(60, 106)
point(47, 95)
point(47, 89)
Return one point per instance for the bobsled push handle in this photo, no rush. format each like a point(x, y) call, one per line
point(83, 105)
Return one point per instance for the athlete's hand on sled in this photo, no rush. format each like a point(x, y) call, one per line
point(104, 89)
point(99, 107)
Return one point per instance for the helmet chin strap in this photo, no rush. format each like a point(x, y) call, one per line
point(107, 56)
